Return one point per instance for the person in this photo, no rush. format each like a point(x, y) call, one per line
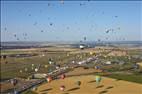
point(98, 79)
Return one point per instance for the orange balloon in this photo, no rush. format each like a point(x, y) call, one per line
point(49, 79)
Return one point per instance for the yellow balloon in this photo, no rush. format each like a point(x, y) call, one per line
point(46, 66)
point(91, 53)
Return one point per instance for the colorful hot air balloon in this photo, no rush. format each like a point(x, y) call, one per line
point(49, 79)
point(63, 76)
point(13, 82)
point(98, 80)
point(62, 88)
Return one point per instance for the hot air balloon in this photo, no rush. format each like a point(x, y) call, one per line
point(81, 47)
point(4, 56)
point(26, 69)
point(5, 28)
point(32, 65)
point(36, 69)
point(13, 81)
point(62, 1)
point(91, 53)
point(57, 66)
point(63, 76)
point(98, 79)
point(49, 79)
point(84, 38)
point(21, 71)
point(62, 88)
point(51, 24)
point(45, 66)
point(78, 83)
point(6, 62)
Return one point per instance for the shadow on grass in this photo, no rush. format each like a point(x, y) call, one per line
point(92, 81)
point(100, 86)
point(44, 93)
point(72, 89)
point(109, 87)
point(102, 92)
point(65, 93)
point(8, 90)
point(46, 90)
point(118, 79)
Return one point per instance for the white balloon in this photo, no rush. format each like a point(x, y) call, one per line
point(36, 70)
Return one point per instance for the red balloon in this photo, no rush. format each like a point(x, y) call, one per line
point(63, 76)
point(49, 79)
point(62, 88)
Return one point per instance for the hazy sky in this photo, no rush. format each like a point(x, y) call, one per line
point(71, 21)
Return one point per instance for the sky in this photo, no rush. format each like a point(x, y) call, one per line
point(71, 21)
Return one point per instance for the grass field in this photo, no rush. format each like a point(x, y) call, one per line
point(65, 55)
point(14, 65)
point(88, 85)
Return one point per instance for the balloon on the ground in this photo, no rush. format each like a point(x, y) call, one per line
point(78, 83)
point(20, 71)
point(49, 79)
point(36, 70)
point(45, 66)
point(63, 76)
point(62, 88)
point(26, 69)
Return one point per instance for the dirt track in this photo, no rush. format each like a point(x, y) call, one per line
point(88, 86)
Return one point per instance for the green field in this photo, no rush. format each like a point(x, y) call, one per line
point(14, 65)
